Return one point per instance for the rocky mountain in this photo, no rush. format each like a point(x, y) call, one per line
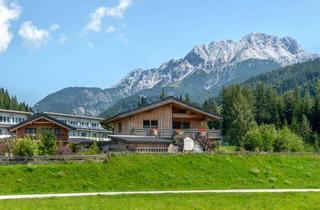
point(201, 73)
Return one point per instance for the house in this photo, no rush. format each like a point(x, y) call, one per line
point(9, 118)
point(40, 122)
point(87, 129)
point(81, 130)
point(155, 124)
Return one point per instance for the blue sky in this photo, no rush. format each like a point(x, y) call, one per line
point(94, 43)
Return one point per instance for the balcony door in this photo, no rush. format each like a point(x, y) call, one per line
point(180, 125)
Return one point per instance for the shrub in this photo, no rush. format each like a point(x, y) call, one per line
point(6, 147)
point(269, 135)
point(288, 141)
point(64, 150)
point(93, 150)
point(204, 142)
point(253, 139)
point(25, 147)
point(47, 143)
point(74, 147)
point(260, 138)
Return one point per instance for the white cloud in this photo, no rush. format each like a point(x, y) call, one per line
point(7, 14)
point(101, 12)
point(110, 29)
point(96, 19)
point(34, 37)
point(119, 10)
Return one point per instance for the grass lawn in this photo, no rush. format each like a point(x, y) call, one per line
point(281, 201)
point(165, 172)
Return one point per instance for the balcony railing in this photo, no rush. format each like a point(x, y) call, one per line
point(168, 133)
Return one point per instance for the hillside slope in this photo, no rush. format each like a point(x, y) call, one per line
point(165, 172)
point(304, 75)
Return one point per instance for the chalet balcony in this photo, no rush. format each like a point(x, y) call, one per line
point(168, 133)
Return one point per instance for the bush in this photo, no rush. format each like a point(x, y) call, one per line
point(74, 147)
point(253, 139)
point(269, 135)
point(25, 147)
point(6, 147)
point(64, 150)
point(48, 143)
point(261, 138)
point(205, 143)
point(288, 141)
point(93, 150)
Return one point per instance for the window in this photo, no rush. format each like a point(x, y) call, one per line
point(150, 124)
point(57, 131)
point(83, 134)
point(154, 123)
point(119, 127)
point(30, 131)
point(146, 124)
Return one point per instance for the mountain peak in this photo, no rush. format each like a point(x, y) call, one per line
point(204, 70)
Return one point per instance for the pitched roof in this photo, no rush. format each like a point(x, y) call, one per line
point(15, 112)
point(73, 116)
point(140, 139)
point(165, 101)
point(39, 116)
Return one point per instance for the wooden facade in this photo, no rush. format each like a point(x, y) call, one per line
point(170, 115)
point(36, 126)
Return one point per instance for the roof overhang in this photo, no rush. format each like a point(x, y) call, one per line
point(140, 139)
point(39, 117)
point(166, 101)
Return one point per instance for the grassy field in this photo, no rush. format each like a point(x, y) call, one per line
point(288, 201)
point(160, 172)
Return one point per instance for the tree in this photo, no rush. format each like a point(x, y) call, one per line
point(242, 121)
point(187, 99)
point(25, 147)
point(212, 106)
point(162, 94)
point(305, 130)
point(11, 102)
point(48, 143)
point(316, 109)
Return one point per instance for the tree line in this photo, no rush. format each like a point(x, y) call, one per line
point(250, 111)
point(11, 102)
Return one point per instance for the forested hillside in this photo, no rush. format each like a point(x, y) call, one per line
point(11, 102)
point(303, 75)
point(253, 114)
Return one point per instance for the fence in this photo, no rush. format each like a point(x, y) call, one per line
point(5, 160)
point(151, 149)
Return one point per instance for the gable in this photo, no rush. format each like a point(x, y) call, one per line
point(170, 100)
point(40, 119)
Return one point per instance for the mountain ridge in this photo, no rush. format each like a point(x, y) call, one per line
point(201, 72)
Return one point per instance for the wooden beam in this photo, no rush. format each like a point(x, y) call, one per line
point(186, 116)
